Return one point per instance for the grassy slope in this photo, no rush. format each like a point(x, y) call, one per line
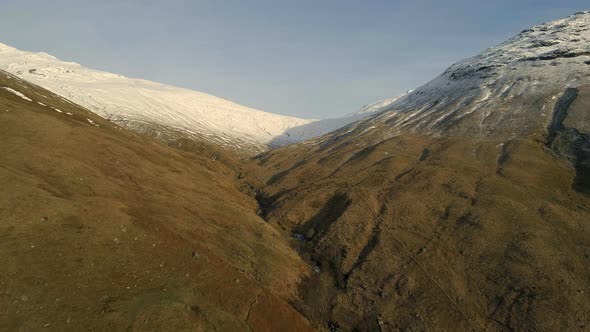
point(421, 233)
point(103, 229)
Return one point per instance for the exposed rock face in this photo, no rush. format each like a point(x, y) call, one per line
point(571, 143)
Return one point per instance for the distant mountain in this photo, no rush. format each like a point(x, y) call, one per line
point(161, 110)
point(170, 112)
point(321, 127)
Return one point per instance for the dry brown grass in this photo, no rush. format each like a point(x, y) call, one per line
point(439, 233)
point(102, 229)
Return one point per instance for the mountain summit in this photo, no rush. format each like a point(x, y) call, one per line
point(506, 91)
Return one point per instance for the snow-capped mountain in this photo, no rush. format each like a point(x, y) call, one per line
point(167, 111)
point(506, 91)
point(142, 105)
point(321, 127)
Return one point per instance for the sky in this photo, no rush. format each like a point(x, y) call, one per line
point(305, 58)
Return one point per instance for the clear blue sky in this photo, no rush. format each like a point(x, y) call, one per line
point(312, 59)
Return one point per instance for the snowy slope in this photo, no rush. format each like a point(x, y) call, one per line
point(321, 127)
point(506, 91)
point(148, 106)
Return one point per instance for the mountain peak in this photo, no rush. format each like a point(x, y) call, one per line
point(559, 38)
point(506, 91)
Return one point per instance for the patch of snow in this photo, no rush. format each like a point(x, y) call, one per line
point(17, 93)
point(93, 123)
point(485, 95)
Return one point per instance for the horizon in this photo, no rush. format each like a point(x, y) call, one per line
point(306, 60)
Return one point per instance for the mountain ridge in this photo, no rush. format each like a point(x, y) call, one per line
point(138, 103)
point(168, 112)
point(473, 96)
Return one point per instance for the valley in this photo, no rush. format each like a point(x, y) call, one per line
point(422, 233)
point(462, 205)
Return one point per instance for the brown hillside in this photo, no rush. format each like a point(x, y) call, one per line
point(102, 229)
point(418, 233)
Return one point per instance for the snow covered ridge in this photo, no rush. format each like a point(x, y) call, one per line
point(162, 110)
point(506, 91)
point(138, 103)
point(325, 126)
